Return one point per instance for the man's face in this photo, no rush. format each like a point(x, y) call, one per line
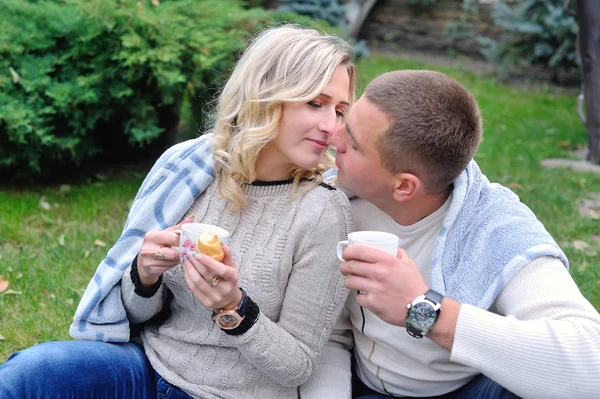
point(358, 161)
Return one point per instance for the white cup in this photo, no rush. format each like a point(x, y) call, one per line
point(386, 242)
point(189, 235)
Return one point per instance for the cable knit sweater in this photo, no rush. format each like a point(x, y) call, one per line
point(285, 253)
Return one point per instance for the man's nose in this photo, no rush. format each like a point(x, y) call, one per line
point(337, 139)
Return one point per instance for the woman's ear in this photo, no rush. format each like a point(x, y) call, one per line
point(406, 185)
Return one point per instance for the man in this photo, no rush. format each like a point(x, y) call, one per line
point(479, 302)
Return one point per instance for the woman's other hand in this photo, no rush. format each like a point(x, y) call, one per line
point(151, 264)
point(213, 283)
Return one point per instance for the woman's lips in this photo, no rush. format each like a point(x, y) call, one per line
point(318, 144)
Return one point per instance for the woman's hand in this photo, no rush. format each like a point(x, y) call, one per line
point(213, 283)
point(150, 265)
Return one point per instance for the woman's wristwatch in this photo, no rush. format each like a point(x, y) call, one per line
point(240, 319)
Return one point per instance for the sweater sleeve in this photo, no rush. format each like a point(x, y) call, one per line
point(138, 308)
point(287, 350)
point(332, 379)
point(548, 343)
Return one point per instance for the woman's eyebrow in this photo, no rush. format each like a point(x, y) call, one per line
point(329, 97)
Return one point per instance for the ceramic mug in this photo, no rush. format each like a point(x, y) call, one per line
point(189, 236)
point(386, 242)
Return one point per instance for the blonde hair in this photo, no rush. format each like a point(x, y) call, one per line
point(281, 65)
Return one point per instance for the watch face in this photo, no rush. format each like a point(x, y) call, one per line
point(228, 321)
point(422, 315)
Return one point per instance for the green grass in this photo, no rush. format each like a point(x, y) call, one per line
point(48, 256)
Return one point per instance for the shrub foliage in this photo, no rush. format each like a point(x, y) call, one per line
point(535, 32)
point(77, 76)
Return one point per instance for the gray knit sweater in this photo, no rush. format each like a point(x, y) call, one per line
point(285, 252)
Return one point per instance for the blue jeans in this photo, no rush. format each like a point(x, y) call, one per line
point(83, 370)
point(480, 387)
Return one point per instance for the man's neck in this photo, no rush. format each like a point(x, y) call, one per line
point(410, 212)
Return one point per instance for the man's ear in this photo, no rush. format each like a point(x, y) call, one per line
point(406, 185)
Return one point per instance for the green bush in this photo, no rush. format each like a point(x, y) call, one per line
point(535, 32)
point(79, 77)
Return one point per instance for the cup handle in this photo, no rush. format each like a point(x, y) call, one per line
point(340, 248)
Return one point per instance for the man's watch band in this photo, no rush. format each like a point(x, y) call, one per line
point(434, 296)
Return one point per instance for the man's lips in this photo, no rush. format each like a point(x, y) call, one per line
point(338, 163)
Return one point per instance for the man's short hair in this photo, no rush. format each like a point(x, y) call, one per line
point(435, 125)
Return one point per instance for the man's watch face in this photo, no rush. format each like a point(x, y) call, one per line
point(422, 315)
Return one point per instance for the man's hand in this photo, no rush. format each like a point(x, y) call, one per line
point(386, 283)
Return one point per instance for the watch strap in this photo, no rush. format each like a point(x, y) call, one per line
point(434, 296)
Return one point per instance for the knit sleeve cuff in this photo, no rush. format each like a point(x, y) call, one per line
point(144, 292)
point(252, 313)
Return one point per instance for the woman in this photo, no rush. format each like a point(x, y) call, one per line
point(280, 276)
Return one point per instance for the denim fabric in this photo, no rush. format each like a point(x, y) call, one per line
point(83, 370)
point(480, 387)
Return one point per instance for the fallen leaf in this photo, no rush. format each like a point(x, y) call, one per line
point(593, 214)
point(86, 254)
point(2, 337)
point(45, 204)
point(580, 245)
point(99, 243)
point(515, 185)
point(12, 292)
point(70, 301)
point(43, 305)
point(564, 144)
point(61, 240)
point(3, 284)
point(155, 3)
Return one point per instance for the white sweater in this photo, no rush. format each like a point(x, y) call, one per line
point(540, 339)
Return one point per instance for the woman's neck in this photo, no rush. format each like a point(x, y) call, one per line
point(268, 168)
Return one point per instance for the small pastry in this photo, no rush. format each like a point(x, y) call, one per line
point(209, 244)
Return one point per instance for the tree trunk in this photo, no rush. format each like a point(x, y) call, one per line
point(588, 17)
point(356, 14)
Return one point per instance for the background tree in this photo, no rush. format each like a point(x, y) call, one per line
point(588, 17)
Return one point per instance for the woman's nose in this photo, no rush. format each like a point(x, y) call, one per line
point(329, 124)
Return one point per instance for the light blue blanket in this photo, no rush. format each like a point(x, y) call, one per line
point(167, 193)
point(487, 236)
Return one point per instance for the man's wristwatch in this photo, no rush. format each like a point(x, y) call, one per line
point(422, 313)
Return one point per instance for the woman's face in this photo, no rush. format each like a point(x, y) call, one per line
point(305, 130)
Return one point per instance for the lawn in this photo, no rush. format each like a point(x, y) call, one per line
point(53, 237)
